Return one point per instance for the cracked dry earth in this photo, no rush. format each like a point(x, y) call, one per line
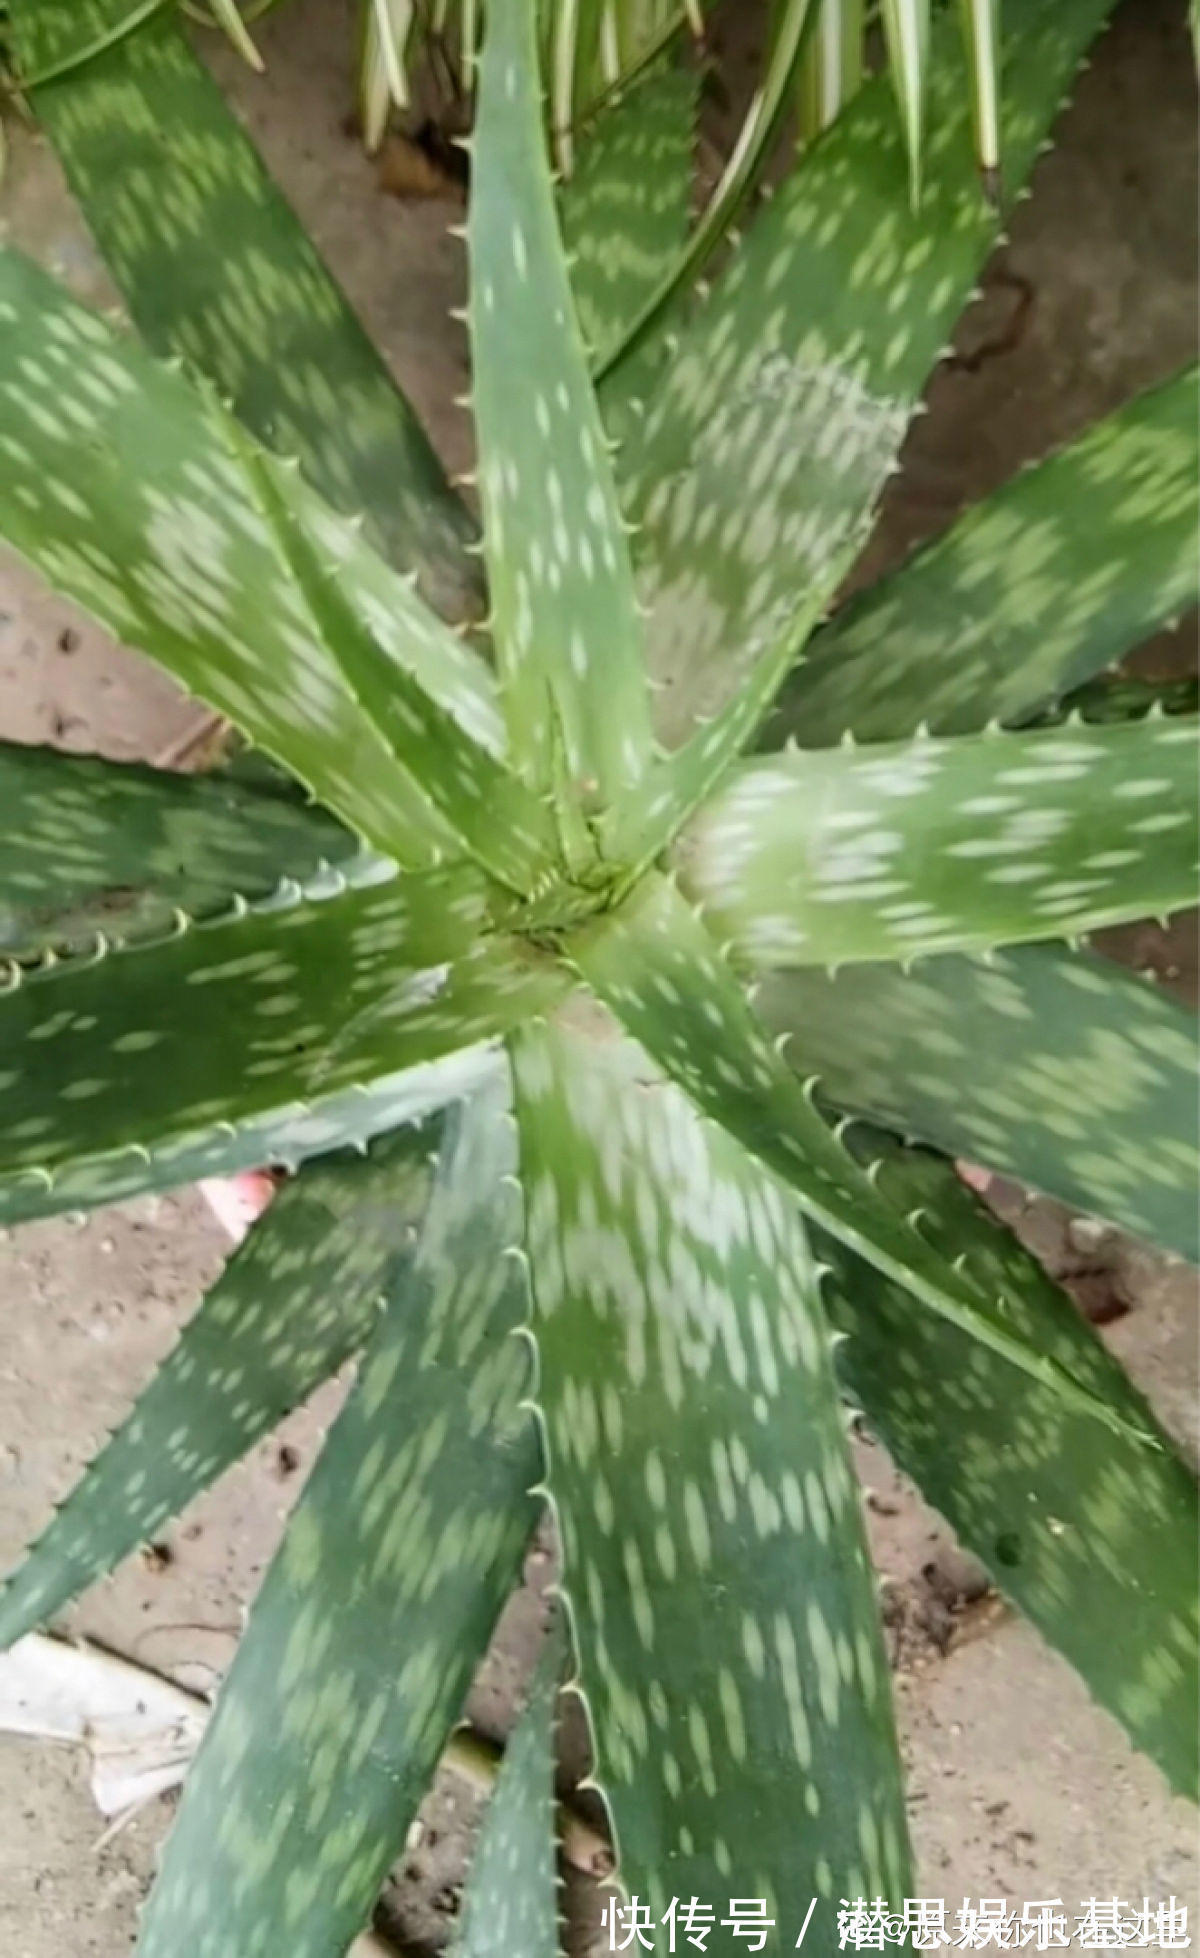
point(1018, 1785)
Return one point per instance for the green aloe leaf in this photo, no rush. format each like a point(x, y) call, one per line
point(214, 265)
point(624, 208)
point(596, 50)
point(510, 1899)
point(698, 1469)
point(593, 52)
point(661, 974)
point(297, 1298)
point(766, 448)
point(741, 174)
point(376, 1609)
point(256, 1038)
point(906, 848)
point(1052, 1066)
point(1091, 1534)
point(131, 493)
point(1053, 577)
point(1120, 696)
point(493, 813)
point(567, 631)
point(105, 847)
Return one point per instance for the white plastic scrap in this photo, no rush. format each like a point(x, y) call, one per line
point(139, 1729)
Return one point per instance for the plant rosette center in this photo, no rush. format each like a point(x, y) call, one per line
point(548, 917)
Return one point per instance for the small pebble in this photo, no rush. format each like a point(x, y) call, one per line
point(1087, 1234)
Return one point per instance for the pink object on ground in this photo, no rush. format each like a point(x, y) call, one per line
point(975, 1178)
point(236, 1201)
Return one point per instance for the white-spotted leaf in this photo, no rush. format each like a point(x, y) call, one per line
point(1090, 1533)
point(510, 1898)
point(99, 846)
point(662, 976)
point(624, 209)
point(133, 496)
point(742, 171)
point(566, 627)
point(298, 1297)
point(493, 814)
point(1052, 1066)
point(763, 454)
point(378, 1604)
point(1059, 573)
point(713, 1557)
point(903, 849)
point(250, 1039)
point(213, 265)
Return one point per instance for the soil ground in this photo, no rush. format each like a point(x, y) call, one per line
point(1019, 1786)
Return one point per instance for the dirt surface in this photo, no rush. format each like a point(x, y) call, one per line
point(1019, 1786)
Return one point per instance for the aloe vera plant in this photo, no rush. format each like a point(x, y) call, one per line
point(617, 979)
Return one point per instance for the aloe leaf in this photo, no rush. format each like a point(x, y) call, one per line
point(769, 442)
point(1056, 575)
point(1092, 1535)
point(909, 848)
point(1052, 1066)
point(376, 1609)
point(214, 265)
point(131, 493)
point(698, 1470)
point(251, 1039)
point(510, 1898)
point(298, 1297)
point(660, 973)
point(632, 36)
point(99, 846)
point(906, 33)
point(497, 818)
point(741, 173)
point(624, 208)
point(1117, 696)
point(567, 631)
point(285, 1136)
